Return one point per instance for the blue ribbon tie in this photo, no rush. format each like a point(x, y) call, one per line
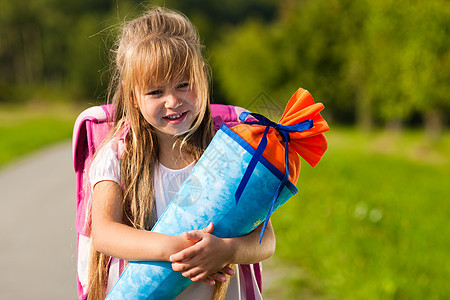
point(284, 131)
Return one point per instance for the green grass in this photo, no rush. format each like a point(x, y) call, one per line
point(28, 127)
point(371, 221)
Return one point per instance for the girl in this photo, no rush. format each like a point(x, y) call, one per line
point(162, 126)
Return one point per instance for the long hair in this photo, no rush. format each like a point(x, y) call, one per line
point(160, 46)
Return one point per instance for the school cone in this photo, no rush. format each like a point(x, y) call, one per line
point(246, 173)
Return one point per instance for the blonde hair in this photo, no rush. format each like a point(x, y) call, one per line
point(160, 46)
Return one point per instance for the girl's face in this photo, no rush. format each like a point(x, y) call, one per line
point(170, 108)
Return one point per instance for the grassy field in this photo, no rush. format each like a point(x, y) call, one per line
point(371, 221)
point(28, 127)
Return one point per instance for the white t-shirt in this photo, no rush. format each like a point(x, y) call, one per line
point(106, 166)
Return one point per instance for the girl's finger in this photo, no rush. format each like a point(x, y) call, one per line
point(209, 228)
point(177, 267)
point(195, 236)
point(219, 277)
point(227, 270)
point(209, 281)
point(199, 276)
point(193, 273)
point(182, 255)
point(183, 266)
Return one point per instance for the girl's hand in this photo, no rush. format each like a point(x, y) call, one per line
point(208, 260)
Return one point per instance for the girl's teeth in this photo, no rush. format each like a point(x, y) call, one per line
point(174, 116)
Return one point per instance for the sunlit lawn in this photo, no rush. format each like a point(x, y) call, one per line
point(28, 127)
point(371, 221)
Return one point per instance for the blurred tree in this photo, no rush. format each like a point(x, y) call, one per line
point(214, 16)
point(384, 36)
point(303, 48)
point(405, 48)
point(377, 60)
point(426, 62)
point(355, 51)
point(87, 42)
point(21, 46)
point(54, 45)
point(84, 58)
point(315, 39)
point(257, 67)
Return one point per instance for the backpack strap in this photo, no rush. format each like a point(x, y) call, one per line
point(258, 275)
point(225, 114)
point(248, 271)
point(91, 128)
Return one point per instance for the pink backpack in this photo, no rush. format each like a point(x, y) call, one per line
point(91, 128)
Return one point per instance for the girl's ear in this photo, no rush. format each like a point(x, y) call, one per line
point(133, 98)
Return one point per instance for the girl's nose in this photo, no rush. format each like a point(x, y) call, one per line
point(172, 101)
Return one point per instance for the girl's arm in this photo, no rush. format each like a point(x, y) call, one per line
point(210, 254)
point(111, 237)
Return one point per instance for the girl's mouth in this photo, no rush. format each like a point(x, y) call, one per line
point(176, 118)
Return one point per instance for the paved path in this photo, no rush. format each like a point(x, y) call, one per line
point(37, 235)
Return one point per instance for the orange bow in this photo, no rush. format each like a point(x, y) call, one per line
point(310, 144)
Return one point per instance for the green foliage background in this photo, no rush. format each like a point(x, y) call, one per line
point(371, 62)
point(371, 221)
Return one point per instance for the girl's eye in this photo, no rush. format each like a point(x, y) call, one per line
point(155, 92)
point(183, 85)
